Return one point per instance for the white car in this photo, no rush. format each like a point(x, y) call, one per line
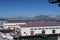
point(9, 37)
point(3, 35)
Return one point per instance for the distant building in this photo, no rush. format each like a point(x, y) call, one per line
point(2, 21)
point(12, 25)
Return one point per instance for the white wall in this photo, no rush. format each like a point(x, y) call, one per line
point(57, 31)
point(25, 30)
point(47, 31)
point(37, 32)
point(6, 25)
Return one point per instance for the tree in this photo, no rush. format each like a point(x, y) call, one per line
point(54, 2)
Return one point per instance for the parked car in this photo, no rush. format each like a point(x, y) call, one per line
point(3, 35)
point(9, 37)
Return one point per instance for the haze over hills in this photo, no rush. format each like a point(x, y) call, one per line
point(35, 18)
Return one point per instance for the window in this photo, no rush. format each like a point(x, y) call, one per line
point(50, 28)
point(31, 29)
point(35, 29)
point(53, 31)
point(57, 28)
point(46, 28)
point(39, 29)
point(53, 28)
point(24, 32)
point(5, 25)
point(42, 28)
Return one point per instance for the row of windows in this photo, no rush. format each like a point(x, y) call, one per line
point(44, 28)
point(10, 25)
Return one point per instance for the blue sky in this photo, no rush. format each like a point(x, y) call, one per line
point(16, 8)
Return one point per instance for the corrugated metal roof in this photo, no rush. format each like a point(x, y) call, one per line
point(40, 24)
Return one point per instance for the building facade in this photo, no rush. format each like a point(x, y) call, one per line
point(12, 25)
point(29, 31)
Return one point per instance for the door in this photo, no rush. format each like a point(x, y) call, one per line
point(43, 32)
point(53, 31)
point(31, 33)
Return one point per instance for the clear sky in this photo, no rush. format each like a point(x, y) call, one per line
point(15, 8)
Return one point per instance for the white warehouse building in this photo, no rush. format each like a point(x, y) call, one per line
point(35, 28)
